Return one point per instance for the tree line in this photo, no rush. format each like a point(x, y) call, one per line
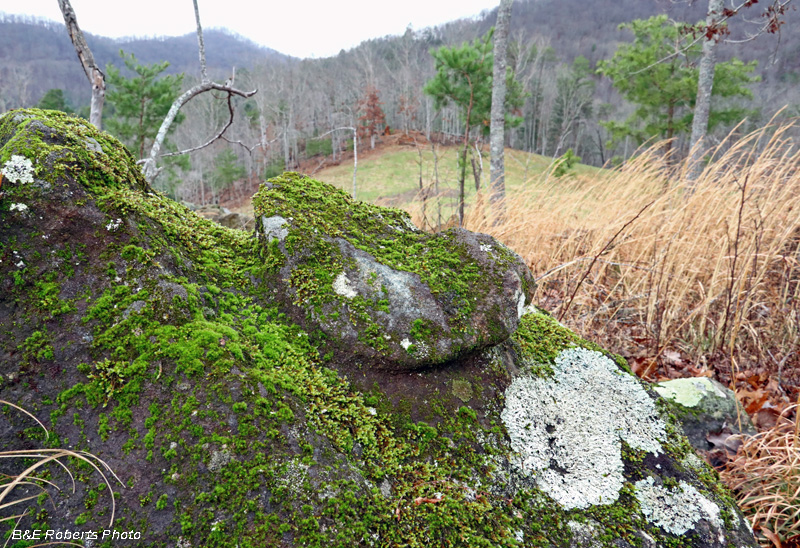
point(595, 110)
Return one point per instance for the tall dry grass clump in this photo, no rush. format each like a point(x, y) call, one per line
point(707, 266)
point(19, 490)
point(765, 475)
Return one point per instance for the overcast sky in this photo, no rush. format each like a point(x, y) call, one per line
point(303, 28)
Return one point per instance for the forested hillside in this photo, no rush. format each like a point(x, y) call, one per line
point(556, 48)
point(36, 55)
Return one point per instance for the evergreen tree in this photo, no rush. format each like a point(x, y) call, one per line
point(141, 102)
point(227, 169)
point(54, 100)
point(658, 73)
point(464, 78)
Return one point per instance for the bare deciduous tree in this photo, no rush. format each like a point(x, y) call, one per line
point(93, 72)
point(497, 128)
point(150, 169)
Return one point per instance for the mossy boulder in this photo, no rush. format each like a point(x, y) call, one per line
point(147, 336)
point(707, 410)
point(381, 291)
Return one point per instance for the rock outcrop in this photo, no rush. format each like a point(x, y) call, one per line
point(384, 293)
point(256, 390)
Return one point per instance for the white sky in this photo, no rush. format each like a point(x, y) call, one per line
point(303, 28)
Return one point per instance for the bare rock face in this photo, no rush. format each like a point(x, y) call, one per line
point(211, 370)
point(380, 290)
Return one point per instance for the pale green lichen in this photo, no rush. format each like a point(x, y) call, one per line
point(567, 431)
point(690, 391)
point(675, 510)
point(18, 169)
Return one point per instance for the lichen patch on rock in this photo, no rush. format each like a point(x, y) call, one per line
point(343, 287)
point(567, 431)
point(675, 510)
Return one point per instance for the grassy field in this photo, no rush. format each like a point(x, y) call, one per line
point(391, 175)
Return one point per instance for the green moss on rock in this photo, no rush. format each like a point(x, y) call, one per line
point(177, 366)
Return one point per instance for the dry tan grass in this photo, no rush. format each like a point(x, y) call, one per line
point(765, 475)
point(39, 459)
point(654, 262)
point(709, 267)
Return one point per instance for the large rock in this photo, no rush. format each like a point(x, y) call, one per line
point(152, 338)
point(383, 292)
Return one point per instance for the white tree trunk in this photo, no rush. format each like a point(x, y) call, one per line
point(705, 83)
point(497, 129)
point(93, 72)
point(201, 46)
point(355, 159)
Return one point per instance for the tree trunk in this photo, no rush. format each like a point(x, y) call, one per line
point(670, 130)
point(705, 82)
point(497, 177)
point(463, 166)
point(355, 159)
point(93, 72)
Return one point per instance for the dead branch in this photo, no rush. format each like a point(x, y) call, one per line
point(96, 76)
point(150, 170)
point(713, 32)
point(597, 257)
point(149, 167)
point(200, 45)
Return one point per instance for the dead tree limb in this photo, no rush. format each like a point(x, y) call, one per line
point(149, 167)
point(93, 72)
point(150, 170)
point(200, 45)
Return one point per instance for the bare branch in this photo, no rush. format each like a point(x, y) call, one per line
point(214, 138)
point(597, 257)
point(93, 72)
point(248, 148)
point(150, 170)
point(149, 167)
point(713, 30)
point(201, 45)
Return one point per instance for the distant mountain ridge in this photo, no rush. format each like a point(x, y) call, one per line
point(37, 55)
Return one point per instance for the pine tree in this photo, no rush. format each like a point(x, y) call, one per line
point(141, 102)
point(464, 78)
point(54, 99)
point(663, 84)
